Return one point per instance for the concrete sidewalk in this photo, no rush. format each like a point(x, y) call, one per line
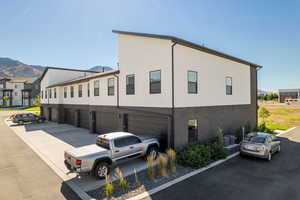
point(23, 175)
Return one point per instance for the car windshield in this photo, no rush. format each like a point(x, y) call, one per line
point(258, 139)
point(101, 142)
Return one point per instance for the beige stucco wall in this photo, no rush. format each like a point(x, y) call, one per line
point(212, 71)
point(139, 56)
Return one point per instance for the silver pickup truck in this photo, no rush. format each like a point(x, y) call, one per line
point(109, 149)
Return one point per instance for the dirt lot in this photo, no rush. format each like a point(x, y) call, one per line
point(282, 116)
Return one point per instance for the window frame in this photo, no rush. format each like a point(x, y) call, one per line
point(151, 92)
point(79, 91)
point(42, 94)
point(71, 91)
point(109, 88)
point(226, 86)
point(188, 82)
point(54, 93)
point(50, 93)
point(65, 92)
point(127, 84)
point(96, 94)
point(88, 89)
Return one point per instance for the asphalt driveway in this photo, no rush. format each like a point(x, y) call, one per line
point(23, 175)
point(246, 178)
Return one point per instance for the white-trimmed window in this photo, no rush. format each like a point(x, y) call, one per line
point(155, 82)
point(111, 87)
point(130, 84)
point(72, 91)
point(54, 93)
point(192, 82)
point(79, 90)
point(228, 81)
point(65, 92)
point(96, 87)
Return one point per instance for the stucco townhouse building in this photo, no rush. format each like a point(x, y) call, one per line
point(164, 86)
point(18, 91)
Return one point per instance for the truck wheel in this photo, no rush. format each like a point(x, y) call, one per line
point(101, 169)
point(152, 151)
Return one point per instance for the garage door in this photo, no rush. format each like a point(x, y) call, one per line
point(149, 126)
point(84, 119)
point(106, 122)
point(68, 117)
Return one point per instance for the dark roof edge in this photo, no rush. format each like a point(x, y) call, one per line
point(189, 44)
point(59, 68)
point(85, 79)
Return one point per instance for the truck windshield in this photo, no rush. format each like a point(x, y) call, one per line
point(103, 143)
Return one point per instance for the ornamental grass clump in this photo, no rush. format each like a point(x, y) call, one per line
point(150, 168)
point(122, 181)
point(171, 160)
point(108, 187)
point(162, 165)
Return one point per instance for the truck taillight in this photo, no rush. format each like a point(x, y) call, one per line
point(78, 162)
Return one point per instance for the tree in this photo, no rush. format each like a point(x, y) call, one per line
point(263, 113)
point(37, 101)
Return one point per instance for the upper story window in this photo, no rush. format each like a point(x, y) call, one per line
point(130, 88)
point(192, 82)
point(96, 88)
point(46, 93)
point(79, 90)
point(65, 92)
point(16, 93)
point(54, 93)
point(155, 82)
point(111, 86)
point(42, 94)
point(228, 81)
point(16, 86)
point(88, 89)
point(50, 93)
point(72, 91)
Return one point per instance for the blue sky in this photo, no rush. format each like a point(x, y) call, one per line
point(77, 33)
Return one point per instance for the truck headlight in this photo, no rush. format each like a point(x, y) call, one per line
point(260, 148)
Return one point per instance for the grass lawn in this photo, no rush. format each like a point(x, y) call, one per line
point(35, 108)
point(282, 117)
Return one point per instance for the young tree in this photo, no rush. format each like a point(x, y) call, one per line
point(263, 113)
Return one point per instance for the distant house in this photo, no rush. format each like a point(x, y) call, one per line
point(289, 94)
point(18, 91)
point(261, 93)
point(164, 87)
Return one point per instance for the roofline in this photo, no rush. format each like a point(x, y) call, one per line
point(189, 44)
point(85, 79)
point(59, 68)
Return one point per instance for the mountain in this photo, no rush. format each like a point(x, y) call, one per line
point(100, 68)
point(15, 68)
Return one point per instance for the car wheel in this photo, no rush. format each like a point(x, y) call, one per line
point(269, 156)
point(152, 151)
point(101, 169)
point(279, 149)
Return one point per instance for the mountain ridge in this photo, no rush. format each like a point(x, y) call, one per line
point(11, 68)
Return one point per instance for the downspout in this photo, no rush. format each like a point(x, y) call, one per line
point(173, 101)
point(118, 98)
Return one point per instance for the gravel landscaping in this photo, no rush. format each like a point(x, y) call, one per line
point(145, 184)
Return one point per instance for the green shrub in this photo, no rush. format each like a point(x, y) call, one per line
point(195, 156)
point(200, 155)
point(217, 151)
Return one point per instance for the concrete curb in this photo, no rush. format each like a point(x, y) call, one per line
point(286, 131)
point(182, 178)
